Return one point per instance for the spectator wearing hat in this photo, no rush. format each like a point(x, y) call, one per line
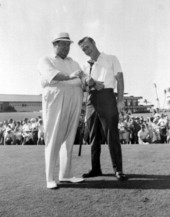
point(61, 106)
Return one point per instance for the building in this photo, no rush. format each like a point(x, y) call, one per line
point(20, 103)
point(32, 103)
point(132, 105)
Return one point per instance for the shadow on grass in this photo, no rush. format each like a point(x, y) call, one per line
point(135, 181)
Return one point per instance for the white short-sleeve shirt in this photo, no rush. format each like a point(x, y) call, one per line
point(105, 69)
point(49, 67)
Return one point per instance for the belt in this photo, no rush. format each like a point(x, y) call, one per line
point(103, 90)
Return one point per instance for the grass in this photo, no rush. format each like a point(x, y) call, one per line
point(147, 193)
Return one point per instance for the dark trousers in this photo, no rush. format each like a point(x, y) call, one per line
point(102, 120)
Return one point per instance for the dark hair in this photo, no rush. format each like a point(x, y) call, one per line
point(86, 38)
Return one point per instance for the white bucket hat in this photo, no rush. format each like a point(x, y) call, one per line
point(62, 36)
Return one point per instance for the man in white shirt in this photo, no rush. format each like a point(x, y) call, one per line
point(26, 132)
point(61, 106)
point(103, 107)
point(143, 135)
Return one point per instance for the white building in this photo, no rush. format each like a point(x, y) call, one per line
point(20, 103)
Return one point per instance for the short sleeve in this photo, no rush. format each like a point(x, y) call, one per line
point(116, 65)
point(47, 71)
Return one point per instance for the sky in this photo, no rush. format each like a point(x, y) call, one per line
point(136, 31)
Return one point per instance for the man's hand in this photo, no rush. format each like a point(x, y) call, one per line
point(99, 85)
point(120, 106)
point(77, 74)
point(90, 82)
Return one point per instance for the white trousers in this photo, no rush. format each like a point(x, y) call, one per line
point(61, 113)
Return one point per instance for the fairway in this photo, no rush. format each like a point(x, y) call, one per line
point(147, 193)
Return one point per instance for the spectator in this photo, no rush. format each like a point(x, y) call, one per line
point(143, 135)
point(124, 130)
point(128, 124)
point(27, 135)
point(150, 128)
point(121, 127)
point(8, 136)
point(18, 134)
point(162, 124)
point(34, 130)
point(40, 133)
point(126, 135)
point(168, 134)
point(2, 129)
point(135, 127)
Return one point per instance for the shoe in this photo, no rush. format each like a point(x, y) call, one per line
point(121, 177)
point(72, 180)
point(52, 185)
point(92, 174)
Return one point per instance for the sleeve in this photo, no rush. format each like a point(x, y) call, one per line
point(47, 71)
point(116, 65)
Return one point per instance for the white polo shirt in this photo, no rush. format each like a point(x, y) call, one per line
point(105, 69)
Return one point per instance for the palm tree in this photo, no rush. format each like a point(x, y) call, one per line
point(157, 98)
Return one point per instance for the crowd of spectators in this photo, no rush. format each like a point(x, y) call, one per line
point(22, 132)
point(132, 130)
point(144, 130)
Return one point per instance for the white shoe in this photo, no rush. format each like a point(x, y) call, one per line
point(52, 185)
point(72, 180)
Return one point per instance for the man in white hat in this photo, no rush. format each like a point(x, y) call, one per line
point(61, 106)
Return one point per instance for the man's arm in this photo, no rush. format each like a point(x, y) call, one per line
point(61, 77)
point(120, 90)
